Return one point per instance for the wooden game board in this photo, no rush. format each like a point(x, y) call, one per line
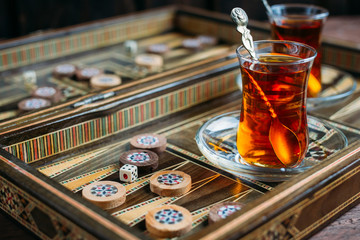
point(47, 157)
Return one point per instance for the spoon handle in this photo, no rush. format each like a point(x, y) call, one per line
point(249, 43)
point(267, 6)
point(239, 16)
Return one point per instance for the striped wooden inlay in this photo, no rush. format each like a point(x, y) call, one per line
point(63, 140)
point(55, 169)
point(78, 42)
point(77, 183)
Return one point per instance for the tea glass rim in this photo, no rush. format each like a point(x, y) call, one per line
point(248, 58)
point(323, 12)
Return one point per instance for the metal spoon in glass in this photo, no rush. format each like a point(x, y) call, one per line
point(284, 141)
point(268, 8)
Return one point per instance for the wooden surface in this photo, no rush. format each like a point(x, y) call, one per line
point(12, 230)
point(343, 29)
point(343, 227)
point(346, 227)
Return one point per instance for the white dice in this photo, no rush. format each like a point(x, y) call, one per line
point(128, 173)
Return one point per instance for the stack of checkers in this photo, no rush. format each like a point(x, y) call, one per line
point(149, 141)
point(105, 194)
point(168, 221)
point(83, 74)
point(145, 160)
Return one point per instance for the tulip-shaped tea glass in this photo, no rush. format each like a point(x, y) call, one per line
point(273, 130)
point(301, 23)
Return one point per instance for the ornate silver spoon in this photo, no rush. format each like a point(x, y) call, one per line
point(241, 19)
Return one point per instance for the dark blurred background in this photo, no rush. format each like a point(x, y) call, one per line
point(23, 17)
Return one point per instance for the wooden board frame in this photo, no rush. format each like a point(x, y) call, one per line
point(328, 189)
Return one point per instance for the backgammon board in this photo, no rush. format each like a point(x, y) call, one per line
point(49, 156)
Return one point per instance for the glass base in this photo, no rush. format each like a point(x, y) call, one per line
point(216, 140)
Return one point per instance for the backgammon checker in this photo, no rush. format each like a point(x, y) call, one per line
point(33, 104)
point(208, 41)
point(149, 141)
point(64, 70)
point(223, 210)
point(86, 73)
point(47, 92)
point(160, 48)
point(151, 62)
point(192, 44)
point(145, 160)
point(170, 183)
point(105, 194)
point(168, 221)
point(104, 81)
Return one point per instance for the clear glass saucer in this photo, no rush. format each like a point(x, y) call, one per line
point(336, 87)
point(216, 140)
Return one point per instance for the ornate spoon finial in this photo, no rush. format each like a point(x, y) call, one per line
point(239, 16)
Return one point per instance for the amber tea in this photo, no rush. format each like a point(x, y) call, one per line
point(273, 122)
point(301, 23)
point(305, 32)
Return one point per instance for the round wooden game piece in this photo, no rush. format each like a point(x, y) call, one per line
point(223, 210)
point(206, 40)
point(51, 93)
point(192, 43)
point(64, 70)
point(105, 194)
point(104, 81)
point(168, 221)
point(145, 160)
point(160, 48)
point(170, 183)
point(86, 73)
point(149, 61)
point(33, 103)
point(149, 141)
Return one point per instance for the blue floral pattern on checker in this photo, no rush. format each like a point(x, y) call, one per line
point(227, 210)
point(170, 179)
point(148, 140)
point(169, 216)
point(104, 190)
point(138, 157)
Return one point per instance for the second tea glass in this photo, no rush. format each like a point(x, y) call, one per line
point(273, 129)
point(301, 23)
